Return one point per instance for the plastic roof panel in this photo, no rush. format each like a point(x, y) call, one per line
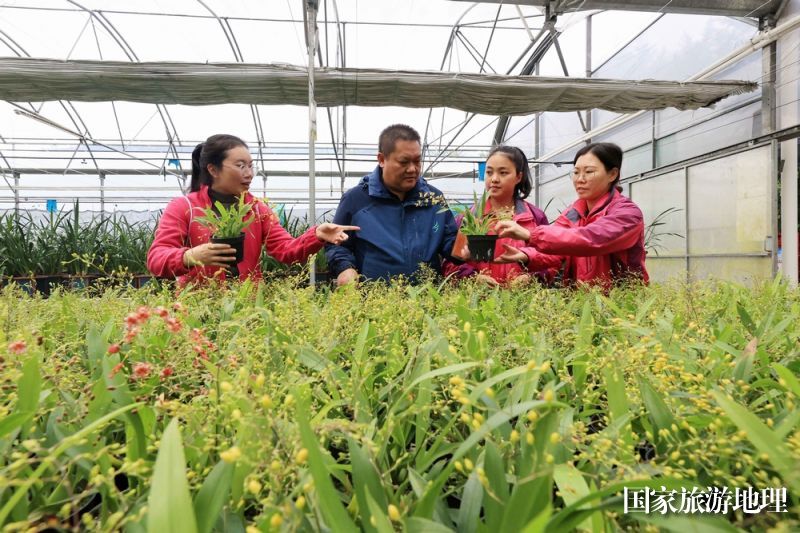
point(730, 8)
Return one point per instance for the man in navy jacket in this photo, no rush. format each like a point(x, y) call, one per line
point(402, 220)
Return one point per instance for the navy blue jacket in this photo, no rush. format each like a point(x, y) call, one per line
point(396, 236)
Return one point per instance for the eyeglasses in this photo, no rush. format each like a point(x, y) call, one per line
point(586, 173)
point(242, 167)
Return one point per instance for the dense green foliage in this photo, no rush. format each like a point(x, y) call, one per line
point(421, 408)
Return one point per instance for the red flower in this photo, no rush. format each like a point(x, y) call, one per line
point(17, 347)
point(132, 320)
point(115, 370)
point(142, 370)
point(177, 306)
point(160, 311)
point(131, 334)
point(167, 372)
point(114, 348)
point(173, 324)
point(143, 312)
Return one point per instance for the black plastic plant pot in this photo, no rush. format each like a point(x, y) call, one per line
point(237, 243)
point(481, 247)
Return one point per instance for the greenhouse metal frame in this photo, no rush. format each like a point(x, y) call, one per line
point(647, 136)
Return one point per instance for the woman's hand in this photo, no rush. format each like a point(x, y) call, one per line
point(334, 233)
point(209, 254)
point(510, 229)
point(487, 280)
point(522, 280)
point(512, 255)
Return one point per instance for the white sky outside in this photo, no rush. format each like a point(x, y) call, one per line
point(62, 35)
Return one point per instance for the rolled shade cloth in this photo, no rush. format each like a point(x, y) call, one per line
point(38, 80)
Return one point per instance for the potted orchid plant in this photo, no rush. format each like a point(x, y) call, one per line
point(227, 224)
point(476, 227)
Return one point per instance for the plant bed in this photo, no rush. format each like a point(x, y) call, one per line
point(275, 407)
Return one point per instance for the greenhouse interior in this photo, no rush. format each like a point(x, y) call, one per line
point(245, 285)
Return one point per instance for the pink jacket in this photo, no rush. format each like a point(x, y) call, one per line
point(601, 247)
point(178, 231)
point(528, 216)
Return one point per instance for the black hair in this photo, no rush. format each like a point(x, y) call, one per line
point(211, 152)
point(396, 132)
point(517, 156)
point(609, 154)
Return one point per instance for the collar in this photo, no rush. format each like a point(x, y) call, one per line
point(205, 194)
point(602, 203)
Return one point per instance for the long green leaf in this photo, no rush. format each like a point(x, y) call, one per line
point(366, 482)
point(572, 486)
point(329, 502)
point(169, 503)
point(212, 496)
point(29, 386)
point(659, 413)
point(13, 422)
point(470, 510)
point(65, 444)
point(763, 438)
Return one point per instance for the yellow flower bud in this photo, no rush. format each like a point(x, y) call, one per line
point(459, 466)
point(394, 512)
point(254, 486)
point(555, 438)
point(514, 438)
point(260, 379)
point(529, 438)
point(549, 396)
point(302, 456)
point(467, 327)
point(275, 465)
point(456, 381)
point(266, 401)
point(533, 416)
point(545, 366)
point(468, 464)
point(300, 502)
point(236, 414)
point(231, 455)
point(465, 418)
point(226, 386)
point(276, 520)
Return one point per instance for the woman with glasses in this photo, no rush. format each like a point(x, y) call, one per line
point(600, 238)
point(222, 171)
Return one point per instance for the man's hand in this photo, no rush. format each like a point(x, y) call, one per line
point(346, 276)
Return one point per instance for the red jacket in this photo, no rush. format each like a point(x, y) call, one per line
point(601, 247)
point(526, 215)
point(178, 231)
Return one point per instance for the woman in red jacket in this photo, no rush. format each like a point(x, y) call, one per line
point(600, 238)
point(222, 170)
point(508, 183)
